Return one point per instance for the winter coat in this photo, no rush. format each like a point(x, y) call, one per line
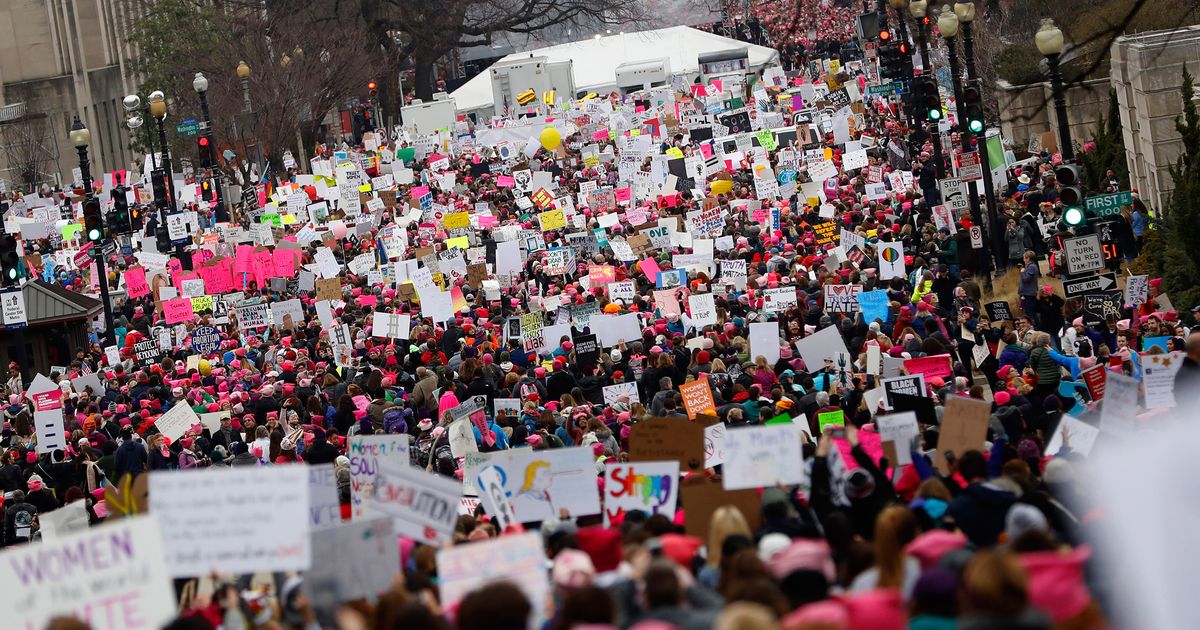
point(979, 512)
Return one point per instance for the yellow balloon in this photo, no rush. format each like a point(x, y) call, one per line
point(205, 368)
point(550, 138)
point(722, 186)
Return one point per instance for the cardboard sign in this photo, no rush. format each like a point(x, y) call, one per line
point(668, 439)
point(233, 520)
point(964, 428)
point(88, 575)
point(702, 498)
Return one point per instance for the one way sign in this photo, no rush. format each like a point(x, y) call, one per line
point(1092, 284)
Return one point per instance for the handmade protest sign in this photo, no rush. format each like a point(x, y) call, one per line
point(365, 453)
point(87, 575)
point(232, 520)
point(517, 559)
point(542, 483)
point(178, 420)
point(351, 561)
point(422, 505)
point(674, 439)
point(964, 427)
point(650, 487)
point(324, 510)
point(757, 457)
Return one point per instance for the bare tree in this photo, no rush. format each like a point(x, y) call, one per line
point(426, 30)
point(303, 66)
point(27, 147)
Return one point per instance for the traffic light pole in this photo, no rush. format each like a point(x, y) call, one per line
point(965, 146)
point(991, 233)
point(935, 136)
point(85, 172)
point(207, 132)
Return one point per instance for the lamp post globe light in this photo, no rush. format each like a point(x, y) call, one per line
point(243, 72)
point(93, 220)
point(1049, 40)
point(209, 150)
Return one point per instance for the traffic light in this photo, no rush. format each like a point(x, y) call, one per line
point(205, 149)
point(162, 240)
point(119, 220)
point(930, 103)
point(973, 107)
point(93, 222)
point(158, 183)
point(136, 221)
point(1069, 178)
point(10, 260)
point(372, 90)
point(206, 192)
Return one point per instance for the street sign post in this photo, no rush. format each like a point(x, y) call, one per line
point(969, 168)
point(1083, 254)
point(1102, 206)
point(1095, 284)
point(189, 127)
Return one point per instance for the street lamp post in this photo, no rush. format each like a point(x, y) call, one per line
point(200, 84)
point(81, 138)
point(1049, 41)
point(243, 72)
point(948, 26)
point(965, 11)
point(158, 111)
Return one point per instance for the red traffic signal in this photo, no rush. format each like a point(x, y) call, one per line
point(371, 85)
point(885, 35)
point(203, 141)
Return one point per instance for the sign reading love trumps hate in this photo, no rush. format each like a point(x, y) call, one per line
point(111, 577)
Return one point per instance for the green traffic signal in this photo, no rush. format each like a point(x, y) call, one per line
point(1074, 216)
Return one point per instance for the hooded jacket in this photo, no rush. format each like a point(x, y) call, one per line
point(980, 511)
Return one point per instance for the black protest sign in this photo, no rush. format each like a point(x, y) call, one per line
point(1098, 307)
point(738, 122)
point(587, 351)
point(147, 352)
point(911, 385)
point(998, 311)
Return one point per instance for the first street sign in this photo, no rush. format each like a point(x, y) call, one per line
point(1109, 205)
point(1094, 284)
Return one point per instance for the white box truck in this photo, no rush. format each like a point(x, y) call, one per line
point(634, 75)
point(514, 81)
point(428, 117)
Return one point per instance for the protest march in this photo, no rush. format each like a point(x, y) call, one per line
point(760, 351)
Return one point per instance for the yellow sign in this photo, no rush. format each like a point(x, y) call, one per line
point(675, 152)
point(457, 220)
point(552, 220)
point(460, 242)
point(202, 303)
